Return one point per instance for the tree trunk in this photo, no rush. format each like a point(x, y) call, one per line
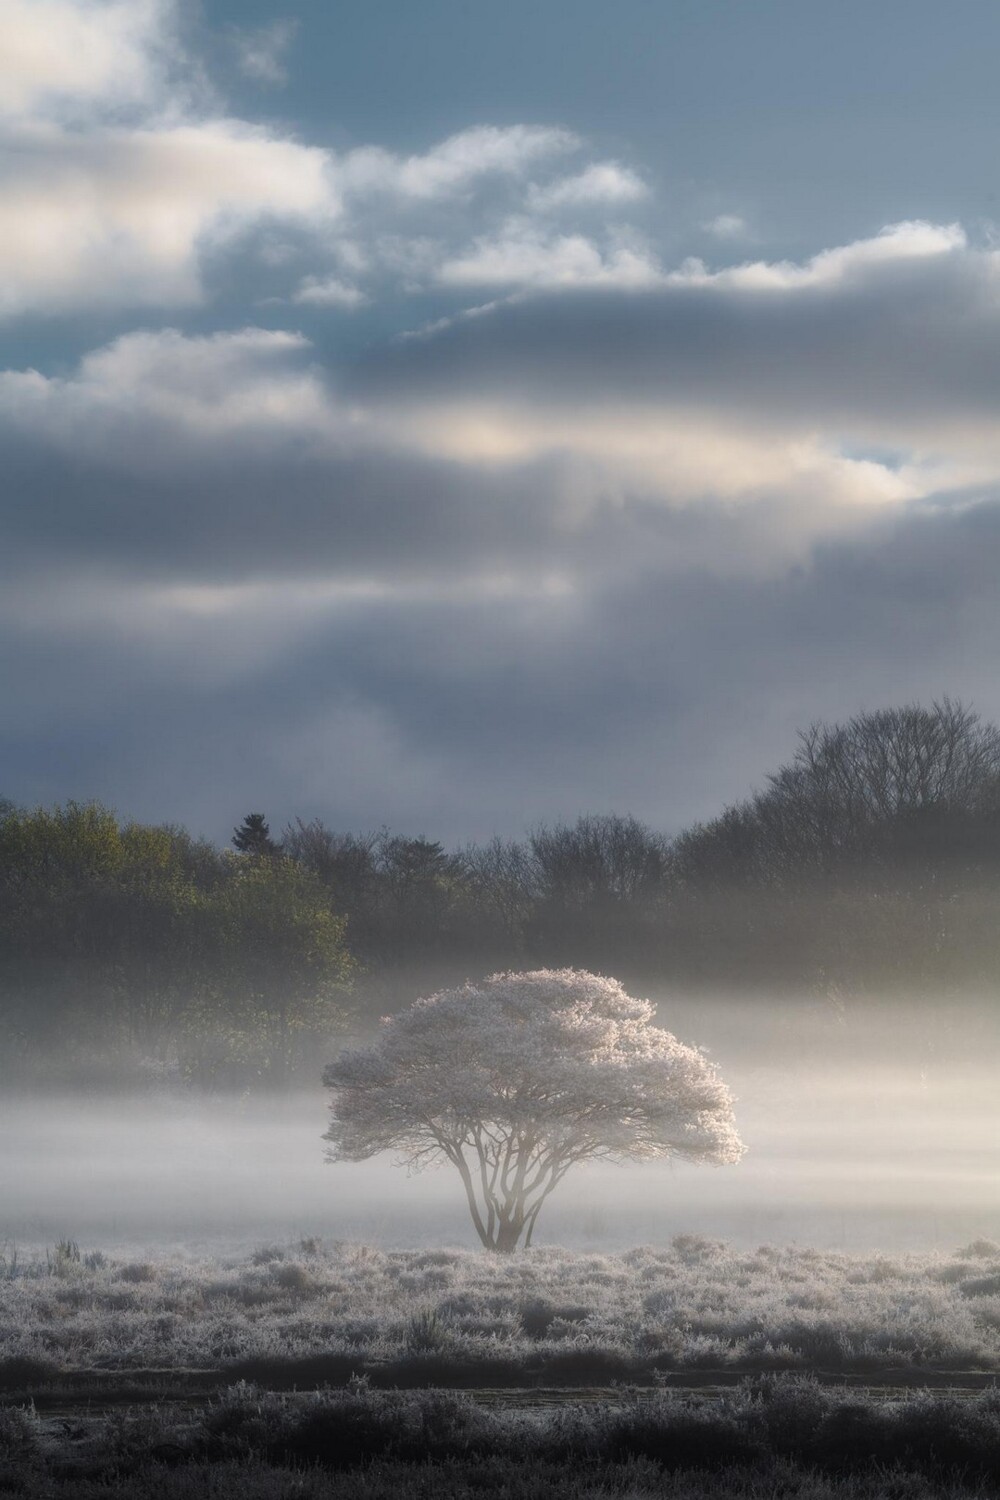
point(507, 1235)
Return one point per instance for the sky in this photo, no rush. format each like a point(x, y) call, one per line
point(458, 417)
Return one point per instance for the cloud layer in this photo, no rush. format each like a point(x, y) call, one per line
point(578, 524)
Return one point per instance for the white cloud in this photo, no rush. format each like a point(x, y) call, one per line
point(524, 256)
point(115, 179)
point(213, 386)
point(119, 174)
point(454, 165)
point(120, 216)
point(912, 240)
point(602, 182)
point(329, 292)
point(260, 50)
point(61, 55)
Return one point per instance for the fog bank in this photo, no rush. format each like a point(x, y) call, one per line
point(875, 1129)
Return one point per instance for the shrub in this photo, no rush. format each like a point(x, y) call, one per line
point(19, 1447)
point(426, 1331)
point(537, 1316)
point(293, 1278)
point(65, 1258)
point(137, 1271)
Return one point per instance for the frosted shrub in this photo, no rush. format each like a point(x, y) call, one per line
point(654, 1308)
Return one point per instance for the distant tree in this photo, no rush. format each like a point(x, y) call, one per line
point(343, 861)
point(276, 968)
point(600, 858)
point(898, 783)
point(501, 878)
point(253, 836)
point(516, 1079)
point(418, 886)
point(599, 883)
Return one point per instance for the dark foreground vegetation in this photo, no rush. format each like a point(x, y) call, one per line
point(773, 1436)
point(870, 863)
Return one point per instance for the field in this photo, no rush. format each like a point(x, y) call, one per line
point(193, 1303)
point(681, 1370)
point(424, 1317)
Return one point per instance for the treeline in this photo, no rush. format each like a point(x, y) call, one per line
point(869, 862)
point(125, 939)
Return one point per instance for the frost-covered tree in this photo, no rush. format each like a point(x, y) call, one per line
point(517, 1078)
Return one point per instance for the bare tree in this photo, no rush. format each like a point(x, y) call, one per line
point(345, 862)
point(515, 1080)
point(849, 793)
point(879, 765)
point(501, 879)
point(599, 858)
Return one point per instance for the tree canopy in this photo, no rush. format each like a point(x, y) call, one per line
point(124, 936)
point(883, 788)
point(516, 1079)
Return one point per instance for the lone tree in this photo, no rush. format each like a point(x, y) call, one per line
point(516, 1079)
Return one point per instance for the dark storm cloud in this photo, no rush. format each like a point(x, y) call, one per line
point(903, 338)
point(237, 456)
point(577, 552)
point(666, 698)
point(214, 516)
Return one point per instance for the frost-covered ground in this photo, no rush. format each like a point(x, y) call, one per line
point(229, 1332)
point(458, 1317)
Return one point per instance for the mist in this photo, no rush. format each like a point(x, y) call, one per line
point(867, 1127)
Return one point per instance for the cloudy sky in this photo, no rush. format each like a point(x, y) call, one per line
point(457, 416)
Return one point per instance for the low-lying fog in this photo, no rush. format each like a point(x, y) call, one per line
point(864, 1129)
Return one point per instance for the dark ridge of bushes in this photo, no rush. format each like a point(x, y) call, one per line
point(491, 1479)
point(348, 1430)
point(276, 1373)
point(773, 1435)
point(23, 1372)
point(435, 1369)
point(765, 1421)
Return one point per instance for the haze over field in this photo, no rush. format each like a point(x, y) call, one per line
point(880, 1132)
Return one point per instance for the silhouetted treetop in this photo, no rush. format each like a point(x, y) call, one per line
point(858, 792)
point(253, 836)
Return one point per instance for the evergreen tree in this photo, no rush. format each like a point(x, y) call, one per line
point(253, 836)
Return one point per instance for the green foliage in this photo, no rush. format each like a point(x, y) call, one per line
point(130, 936)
